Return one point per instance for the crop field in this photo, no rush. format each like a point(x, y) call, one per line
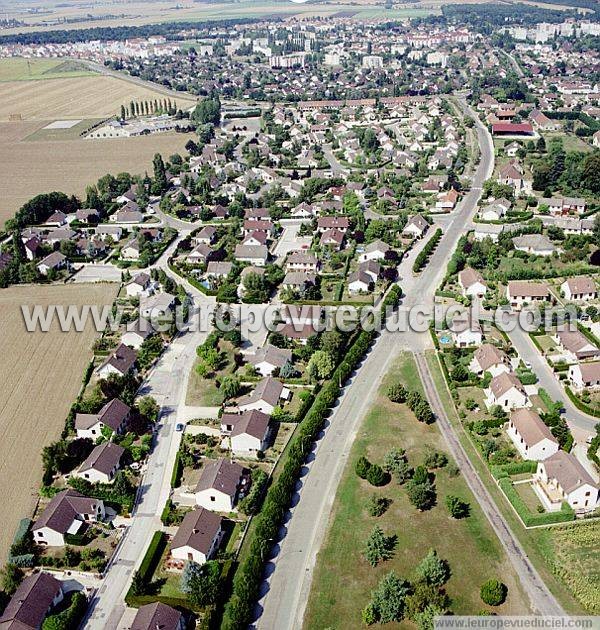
point(41, 375)
point(83, 97)
point(19, 69)
point(32, 167)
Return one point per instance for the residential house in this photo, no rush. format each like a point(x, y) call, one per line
point(267, 395)
point(580, 288)
point(270, 358)
point(136, 332)
point(334, 239)
point(447, 200)
point(374, 251)
point(585, 376)
point(34, 598)
point(102, 464)
point(298, 280)
point(67, 514)
point(359, 282)
point(197, 539)
point(52, 262)
point(415, 227)
point(519, 293)
point(157, 616)
point(488, 358)
point(201, 253)
point(327, 223)
point(466, 331)
point(157, 305)
point(131, 250)
point(222, 483)
point(531, 437)
point(562, 478)
point(217, 270)
point(472, 283)
point(120, 362)
point(537, 244)
point(248, 432)
point(114, 415)
point(371, 268)
point(140, 285)
point(253, 254)
point(576, 346)
point(302, 261)
point(507, 391)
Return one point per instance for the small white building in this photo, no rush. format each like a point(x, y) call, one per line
point(248, 432)
point(267, 394)
point(67, 513)
point(585, 375)
point(507, 391)
point(472, 283)
point(561, 478)
point(532, 438)
point(102, 464)
point(222, 483)
point(197, 539)
point(579, 289)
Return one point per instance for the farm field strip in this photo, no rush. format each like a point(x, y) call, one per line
point(41, 376)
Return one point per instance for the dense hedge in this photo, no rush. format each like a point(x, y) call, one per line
point(69, 618)
point(514, 468)
point(177, 472)
point(423, 255)
point(580, 404)
point(565, 514)
point(239, 610)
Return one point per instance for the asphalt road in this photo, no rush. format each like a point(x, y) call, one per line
point(289, 571)
point(168, 384)
point(528, 352)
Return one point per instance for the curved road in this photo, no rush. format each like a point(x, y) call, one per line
point(286, 587)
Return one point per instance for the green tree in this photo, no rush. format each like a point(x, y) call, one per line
point(397, 393)
point(376, 505)
point(433, 569)
point(12, 576)
point(138, 584)
point(376, 476)
point(160, 183)
point(389, 598)
point(362, 467)
point(320, 365)
point(379, 547)
point(201, 582)
point(230, 386)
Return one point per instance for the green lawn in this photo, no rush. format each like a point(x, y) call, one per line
point(343, 579)
point(203, 392)
point(530, 498)
point(20, 69)
point(540, 544)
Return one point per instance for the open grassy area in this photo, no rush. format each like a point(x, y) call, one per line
point(540, 543)
point(344, 580)
point(20, 69)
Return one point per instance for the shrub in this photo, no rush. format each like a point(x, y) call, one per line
point(397, 393)
point(376, 476)
point(389, 598)
point(493, 592)
point(457, 507)
point(376, 505)
point(435, 459)
point(362, 467)
point(421, 495)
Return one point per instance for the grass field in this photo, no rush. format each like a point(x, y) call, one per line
point(19, 69)
point(41, 376)
point(83, 97)
point(343, 580)
point(29, 168)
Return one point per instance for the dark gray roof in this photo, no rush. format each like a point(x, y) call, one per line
point(103, 458)
point(63, 509)
point(253, 422)
point(222, 475)
point(123, 358)
point(198, 530)
point(268, 389)
point(30, 603)
point(156, 616)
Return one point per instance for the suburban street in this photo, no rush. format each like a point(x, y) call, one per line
point(548, 380)
point(286, 588)
point(167, 383)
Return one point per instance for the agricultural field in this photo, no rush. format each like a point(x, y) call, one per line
point(95, 96)
point(344, 580)
point(31, 167)
point(39, 385)
point(19, 69)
